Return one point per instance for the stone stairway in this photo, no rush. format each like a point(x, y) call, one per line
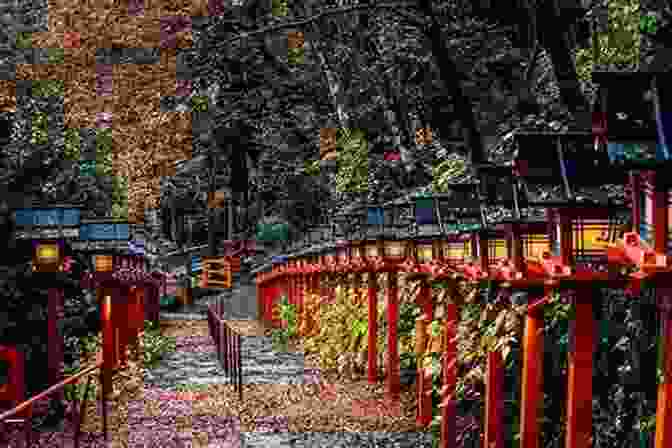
point(239, 302)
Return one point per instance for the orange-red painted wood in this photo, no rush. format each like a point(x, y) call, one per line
point(532, 381)
point(373, 328)
point(664, 402)
point(449, 410)
point(580, 373)
point(494, 401)
point(392, 337)
point(424, 385)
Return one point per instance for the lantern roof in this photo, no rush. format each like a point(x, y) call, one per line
point(565, 163)
point(498, 185)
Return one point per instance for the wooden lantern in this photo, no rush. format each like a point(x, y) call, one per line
point(394, 250)
point(424, 251)
point(48, 254)
point(104, 263)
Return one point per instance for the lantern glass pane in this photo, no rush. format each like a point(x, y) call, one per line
point(424, 253)
point(103, 263)
point(394, 248)
point(47, 253)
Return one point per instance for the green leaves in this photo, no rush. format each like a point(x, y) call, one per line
point(648, 24)
point(619, 46)
point(311, 167)
point(199, 103)
point(39, 129)
point(287, 313)
point(279, 8)
point(55, 55)
point(72, 144)
point(104, 152)
point(155, 345)
point(24, 40)
point(47, 88)
point(360, 328)
point(352, 160)
point(119, 197)
point(295, 56)
point(72, 392)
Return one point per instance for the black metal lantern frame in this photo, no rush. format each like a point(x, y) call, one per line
point(499, 187)
point(568, 160)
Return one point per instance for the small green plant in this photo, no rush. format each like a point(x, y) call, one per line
point(279, 8)
point(647, 424)
point(72, 392)
point(311, 167)
point(199, 103)
point(295, 56)
point(287, 313)
point(89, 344)
point(72, 144)
point(155, 345)
point(104, 152)
point(55, 55)
point(647, 24)
point(190, 387)
point(48, 87)
point(24, 40)
point(39, 129)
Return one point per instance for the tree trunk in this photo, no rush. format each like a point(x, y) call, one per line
point(554, 38)
point(451, 79)
point(212, 249)
point(335, 86)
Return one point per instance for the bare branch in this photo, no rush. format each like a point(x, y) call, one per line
point(309, 20)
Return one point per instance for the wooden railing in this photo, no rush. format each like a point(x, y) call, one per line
point(229, 346)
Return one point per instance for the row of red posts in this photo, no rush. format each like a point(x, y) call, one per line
point(536, 276)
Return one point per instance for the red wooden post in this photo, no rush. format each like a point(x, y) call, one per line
point(664, 400)
point(580, 373)
point(494, 402)
point(517, 248)
point(449, 411)
point(108, 339)
point(373, 327)
point(14, 391)
point(483, 253)
point(392, 337)
point(565, 239)
point(55, 355)
point(636, 203)
point(424, 385)
point(659, 217)
point(532, 381)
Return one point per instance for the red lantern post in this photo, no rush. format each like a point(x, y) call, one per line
point(370, 256)
point(579, 376)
